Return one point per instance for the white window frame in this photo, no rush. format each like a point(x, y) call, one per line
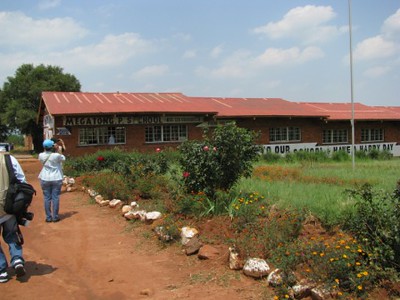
point(284, 134)
point(335, 136)
point(166, 133)
point(372, 135)
point(92, 136)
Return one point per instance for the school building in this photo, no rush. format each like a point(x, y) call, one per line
point(88, 122)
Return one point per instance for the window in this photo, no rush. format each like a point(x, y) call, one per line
point(101, 135)
point(165, 133)
point(372, 135)
point(334, 136)
point(284, 134)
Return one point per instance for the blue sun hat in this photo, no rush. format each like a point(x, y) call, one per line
point(48, 144)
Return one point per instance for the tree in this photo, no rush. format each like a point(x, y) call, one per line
point(20, 97)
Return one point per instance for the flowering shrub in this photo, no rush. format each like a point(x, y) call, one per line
point(191, 204)
point(219, 162)
point(376, 220)
point(246, 208)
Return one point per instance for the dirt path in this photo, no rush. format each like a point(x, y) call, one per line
point(93, 253)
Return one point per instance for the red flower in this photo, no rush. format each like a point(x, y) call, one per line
point(158, 150)
point(100, 158)
point(186, 174)
point(205, 148)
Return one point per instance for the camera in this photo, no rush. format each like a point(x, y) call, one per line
point(28, 215)
point(25, 218)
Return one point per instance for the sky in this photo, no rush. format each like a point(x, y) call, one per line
point(298, 50)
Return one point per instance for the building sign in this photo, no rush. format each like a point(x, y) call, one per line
point(393, 148)
point(128, 120)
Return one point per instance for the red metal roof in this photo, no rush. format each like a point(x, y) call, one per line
point(258, 107)
point(62, 103)
point(343, 111)
point(70, 103)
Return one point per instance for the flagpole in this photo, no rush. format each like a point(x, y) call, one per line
point(351, 89)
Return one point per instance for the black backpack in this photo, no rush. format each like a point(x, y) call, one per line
point(19, 195)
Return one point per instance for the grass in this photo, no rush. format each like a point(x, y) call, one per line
point(319, 188)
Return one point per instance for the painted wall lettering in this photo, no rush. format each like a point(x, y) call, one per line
point(283, 149)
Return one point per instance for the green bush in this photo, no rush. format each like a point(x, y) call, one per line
point(376, 222)
point(272, 157)
point(341, 156)
point(109, 184)
point(218, 163)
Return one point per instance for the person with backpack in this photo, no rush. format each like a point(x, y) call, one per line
point(51, 177)
point(9, 224)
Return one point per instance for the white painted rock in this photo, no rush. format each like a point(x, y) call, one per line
point(115, 203)
point(153, 215)
point(98, 198)
point(187, 233)
point(235, 262)
point(92, 193)
point(256, 267)
point(125, 209)
point(135, 214)
point(71, 188)
point(162, 235)
point(104, 202)
point(275, 278)
point(134, 204)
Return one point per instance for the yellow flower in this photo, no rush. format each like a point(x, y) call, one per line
point(358, 263)
point(365, 273)
point(359, 287)
point(287, 296)
point(337, 281)
point(347, 247)
point(359, 275)
point(340, 293)
point(276, 298)
point(344, 256)
point(314, 253)
point(331, 259)
point(322, 254)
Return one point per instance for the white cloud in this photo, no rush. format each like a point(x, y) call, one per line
point(19, 30)
point(183, 36)
point(374, 48)
point(376, 72)
point(216, 51)
point(384, 45)
point(48, 4)
point(275, 56)
point(304, 23)
point(152, 71)
point(235, 66)
point(111, 51)
point(271, 84)
point(242, 64)
point(391, 26)
point(189, 54)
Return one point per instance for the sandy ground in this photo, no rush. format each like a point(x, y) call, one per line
point(93, 253)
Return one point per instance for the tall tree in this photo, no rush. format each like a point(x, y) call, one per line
point(20, 97)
